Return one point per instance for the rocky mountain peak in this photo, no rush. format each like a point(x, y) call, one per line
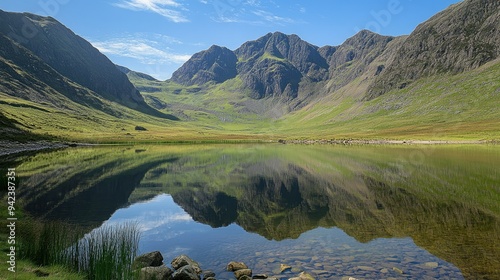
point(217, 64)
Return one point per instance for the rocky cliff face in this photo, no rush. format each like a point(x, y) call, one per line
point(217, 64)
point(282, 66)
point(276, 63)
point(351, 59)
point(272, 65)
point(461, 38)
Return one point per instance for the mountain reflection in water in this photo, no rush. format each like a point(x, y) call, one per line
point(444, 199)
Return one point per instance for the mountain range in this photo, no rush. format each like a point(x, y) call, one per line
point(441, 81)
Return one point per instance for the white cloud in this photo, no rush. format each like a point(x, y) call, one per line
point(145, 51)
point(270, 17)
point(166, 8)
point(253, 12)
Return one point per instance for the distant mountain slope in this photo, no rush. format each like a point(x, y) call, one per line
point(351, 59)
point(66, 62)
point(282, 73)
point(131, 73)
point(217, 64)
point(461, 38)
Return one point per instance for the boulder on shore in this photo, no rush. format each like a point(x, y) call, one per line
point(187, 272)
point(147, 260)
point(155, 273)
point(234, 266)
point(184, 260)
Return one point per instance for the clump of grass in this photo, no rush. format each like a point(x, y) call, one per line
point(44, 242)
point(105, 253)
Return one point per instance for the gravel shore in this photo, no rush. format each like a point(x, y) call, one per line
point(12, 147)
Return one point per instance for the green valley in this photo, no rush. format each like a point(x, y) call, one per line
point(276, 87)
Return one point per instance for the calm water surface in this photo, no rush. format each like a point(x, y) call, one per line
point(370, 212)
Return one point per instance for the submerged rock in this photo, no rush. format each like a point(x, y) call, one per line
point(207, 274)
point(242, 272)
point(234, 266)
point(303, 276)
point(155, 273)
point(187, 272)
point(284, 267)
point(184, 260)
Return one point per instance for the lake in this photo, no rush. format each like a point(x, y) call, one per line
point(369, 212)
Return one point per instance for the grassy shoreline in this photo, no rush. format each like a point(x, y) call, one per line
point(13, 148)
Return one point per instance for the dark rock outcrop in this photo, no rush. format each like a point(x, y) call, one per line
point(184, 260)
point(217, 64)
point(275, 64)
point(351, 59)
point(150, 259)
point(156, 273)
point(187, 272)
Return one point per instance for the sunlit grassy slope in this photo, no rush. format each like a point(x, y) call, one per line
point(464, 106)
point(459, 107)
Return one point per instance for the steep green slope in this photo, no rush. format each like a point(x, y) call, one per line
point(463, 106)
point(460, 38)
point(70, 55)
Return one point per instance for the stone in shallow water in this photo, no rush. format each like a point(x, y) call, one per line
point(398, 270)
point(150, 259)
point(241, 272)
point(187, 272)
point(284, 267)
point(303, 276)
point(155, 273)
point(347, 259)
point(320, 272)
point(431, 264)
point(184, 260)
point(296, 269)
point(366, 268)
point(208, 274)
point(233, 266)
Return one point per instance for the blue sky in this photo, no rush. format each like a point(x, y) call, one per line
point(157, 36)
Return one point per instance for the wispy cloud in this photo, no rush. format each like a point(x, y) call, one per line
point(253, 12)
point(146, 51)
point(166, 8)
point(270, 17)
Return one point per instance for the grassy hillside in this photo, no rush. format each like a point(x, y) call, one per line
point(459, 107)
point(463, 106)
point(444, 107)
